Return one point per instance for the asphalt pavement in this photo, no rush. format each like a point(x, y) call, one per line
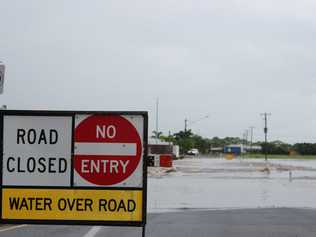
point(279, 222)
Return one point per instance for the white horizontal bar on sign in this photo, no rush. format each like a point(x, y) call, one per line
point(105, 149)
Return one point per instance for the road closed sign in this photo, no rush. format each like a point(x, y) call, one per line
point(36, 150)
point(73, 167)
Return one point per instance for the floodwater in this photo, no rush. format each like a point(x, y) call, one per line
point(206, 183)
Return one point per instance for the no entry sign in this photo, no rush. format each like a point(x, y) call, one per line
point(108, 149)
point(73, 167)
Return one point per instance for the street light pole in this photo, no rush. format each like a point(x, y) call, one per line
point(245, 142)
point(157, 121)
point(246, 137)
point(157, 118)
point(185, 124)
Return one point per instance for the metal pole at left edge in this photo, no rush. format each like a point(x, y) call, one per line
point(144, 231)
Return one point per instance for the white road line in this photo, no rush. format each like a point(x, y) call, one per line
point(114, 149)
point(12, 228)
point(93, 231)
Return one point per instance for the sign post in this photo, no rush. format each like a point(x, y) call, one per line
point(2, 70)
point(74, 167)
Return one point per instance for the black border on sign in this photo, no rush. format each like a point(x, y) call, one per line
point(145, 137)
point(72, 114)
point(1, 162)
point(72, 151)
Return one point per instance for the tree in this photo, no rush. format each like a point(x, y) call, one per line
point(169, 138)
point(276, 147)
point(156, 134)
point(184, 140)
point(203, 144)
point(305, 148)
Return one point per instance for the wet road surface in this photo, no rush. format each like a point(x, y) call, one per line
point(281, 222)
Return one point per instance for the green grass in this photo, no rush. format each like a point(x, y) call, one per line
point(295, 157)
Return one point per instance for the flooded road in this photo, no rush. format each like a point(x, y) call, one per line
point(206, 183)
point(216, 197)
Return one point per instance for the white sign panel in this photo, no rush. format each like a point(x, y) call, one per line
point(37, 150)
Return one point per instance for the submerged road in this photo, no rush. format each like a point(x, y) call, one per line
point(278, 222)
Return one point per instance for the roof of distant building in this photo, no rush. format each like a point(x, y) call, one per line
point(156, 141)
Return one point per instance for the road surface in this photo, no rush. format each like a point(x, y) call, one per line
point(278, 222)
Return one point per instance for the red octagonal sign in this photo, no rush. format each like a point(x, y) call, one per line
point(108, 149)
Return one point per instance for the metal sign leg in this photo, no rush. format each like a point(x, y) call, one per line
point(144, 231)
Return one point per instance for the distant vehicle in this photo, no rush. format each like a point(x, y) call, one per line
point(193, 152)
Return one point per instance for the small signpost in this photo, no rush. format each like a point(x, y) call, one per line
point(74, 167)
point(2, 70)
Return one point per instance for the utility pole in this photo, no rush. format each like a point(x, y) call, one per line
point(243, 143)
point(246, 140)
point(185, 124)
point(265, 115)
point(246, 136)
point(251, 136)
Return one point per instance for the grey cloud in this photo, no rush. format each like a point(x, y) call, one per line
point(231, 59)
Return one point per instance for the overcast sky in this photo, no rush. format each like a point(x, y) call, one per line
point(227, 58)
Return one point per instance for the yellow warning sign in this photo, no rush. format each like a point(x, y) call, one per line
point(75, 204)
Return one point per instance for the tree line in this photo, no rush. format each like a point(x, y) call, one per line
point(188, 140)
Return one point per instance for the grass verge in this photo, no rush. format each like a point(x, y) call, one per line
point(294, 157)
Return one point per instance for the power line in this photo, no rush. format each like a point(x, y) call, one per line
point(186, 122)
